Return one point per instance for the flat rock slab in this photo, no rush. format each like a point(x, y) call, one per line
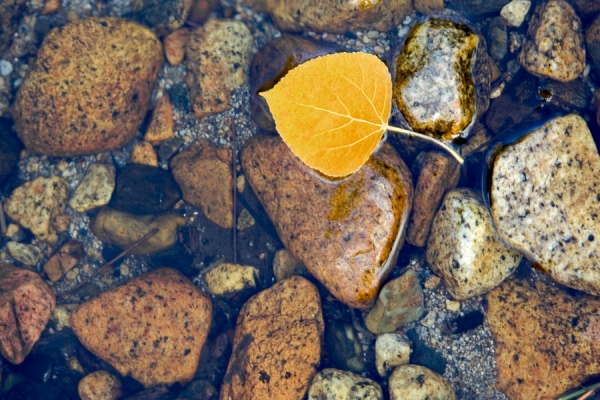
point(546, 201)
point(345, 232)
point(152, 328)
point(546, 341)
point(277, 344)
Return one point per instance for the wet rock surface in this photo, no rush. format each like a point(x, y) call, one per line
point(96, 188)
point(100, 385)
point(391, 350)
point(96, 56)
point(434, 98)
point(161, 126)
point(277, 345)
point(343, 385)
point(152, 328)
point(10, 12)
point(534, 203)
point(25, 253)
point(465, 250)
point(546, 338)
point(307, 211)
point(231, 278)
point(555, 46)
point(64, 260)
point(163, 16)
point(336, 17)
point(419, 383)
point(26, 306)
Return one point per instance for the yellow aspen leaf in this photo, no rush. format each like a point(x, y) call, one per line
point(333, 110)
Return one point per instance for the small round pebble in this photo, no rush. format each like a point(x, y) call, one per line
point(391, 350)
point(100, 385)
point(5, 68)
point(415, 382)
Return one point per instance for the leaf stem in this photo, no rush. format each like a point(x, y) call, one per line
point(425, 137)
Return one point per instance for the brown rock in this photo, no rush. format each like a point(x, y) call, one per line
point(162, 126)
point(163, 16)
point(10, 11)
point(429, 6)
point(175, 45)
point(592, 38)
point(63, 261)
point(546, 341)
point(201, 10)
point(218, 59)
point(67, 105)
point(26, 305)
point(348, 232)
point(143, 153)
point(204, 174)
point(277, 345)
point(100, 385)
point(152, 328)
point(438, 174)
point(50, 7)
point(587, 8)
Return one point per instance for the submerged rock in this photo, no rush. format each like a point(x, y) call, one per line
point(25, 253)
point(162, 126)
point(152, 328)
point(555, 47)
point(204, 174)
point(545, 200)
point(36, 205)
point(231, 278)
point(10, 11)
point(334, 16)
point(163, 16)
point(344, 349)
point(122, 229)
point(218, 58)
point(546, 340)
point(67, 104)
point(347, 233)
point(142, 189)
point(391, 351)
point(592, 38)
point(514, 12)
point(277, 345)
point(343, 385)
point(100, 385)
point(96, 188)
point(285, 265)
point(399, 303)
point(26, 306)
point(464, 249)
point(64, 260)
point(442, 77)
point(415, 382)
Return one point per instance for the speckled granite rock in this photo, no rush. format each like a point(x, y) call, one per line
point(35, 205)
point(442, 77)
point(26, 305)
point(334, 15)
point(391, 350)
point(415, 382)
point(163, 16)
point(152, 328)
point(400, 302)
point(231, 278)
point(67, 104)
point(10, 10)
point(439, 173)
point(592, 38)
point(25, 253)
point(545, 200)
point(271, 63)
point(123, 229)
point(204, 174)
point(9, 150)
point(346, 233)
point(546, 341)
point(96, 188)
point(514, 13)
point(464, 249)
point(343, 385)
point(218, 58)
point(100, 385)
point(555, 47)
point(277, 345)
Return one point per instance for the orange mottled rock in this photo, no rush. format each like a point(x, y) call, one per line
point(152, 328)
point(277, 344)
point(161, 126)
point(26, 305)
point(348, 232)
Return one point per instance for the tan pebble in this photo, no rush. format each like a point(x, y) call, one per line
point(143, 153)
point(161, 125)
point(429, 319)
point(100, 385)
point(241, 183)
point(74, 365)
point(432, 282)
point(175, 44)
point(73, 274)
point(452, 305)
point(61, 222)
point(245, 220)
point(63, 165)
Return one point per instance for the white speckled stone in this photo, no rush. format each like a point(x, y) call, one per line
point(391, 350)
point(464, 249)
point(546, 200)
point(333, 384)
point(415, 382)
point(555, 45)
point(514, 12)
point(230, 278)
point(96, 188)
point(25, 253)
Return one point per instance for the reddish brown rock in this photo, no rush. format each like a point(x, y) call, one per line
point(152, 328)
point(63, 261)
point(546, 341)
point(346, 232)
point(26, 305)
point(439, 173)
point(162, 126)
point(277, 345)
point(204, 174)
